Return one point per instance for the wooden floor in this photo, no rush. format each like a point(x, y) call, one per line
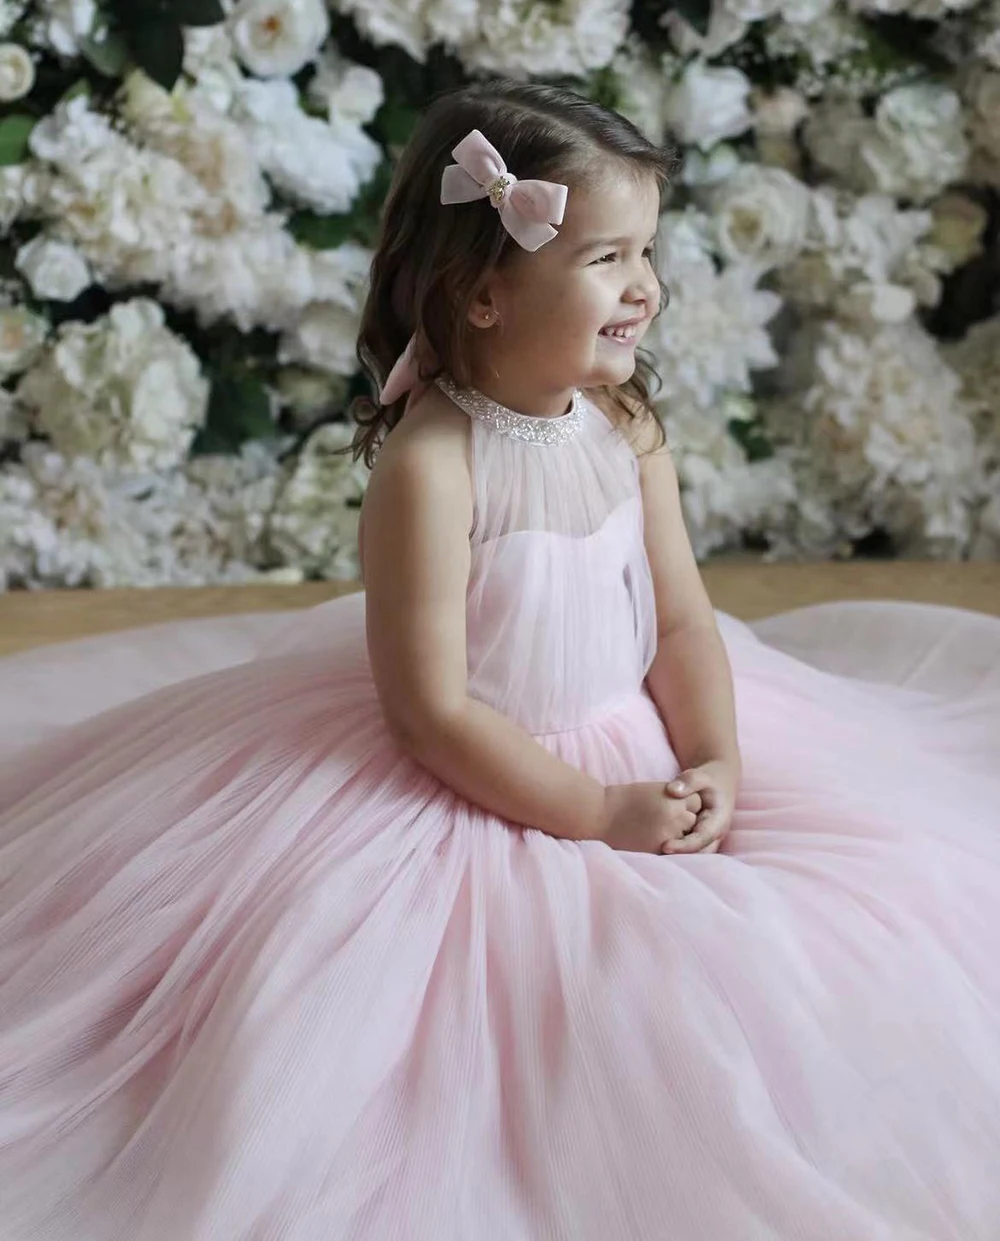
point(744, 588)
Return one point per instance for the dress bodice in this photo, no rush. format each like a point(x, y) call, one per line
point(560, 611)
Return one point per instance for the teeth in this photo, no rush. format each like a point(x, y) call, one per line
point(621, 333)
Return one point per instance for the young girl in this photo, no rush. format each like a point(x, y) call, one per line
point(463, 912)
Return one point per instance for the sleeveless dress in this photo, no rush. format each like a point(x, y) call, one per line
point(263, 978)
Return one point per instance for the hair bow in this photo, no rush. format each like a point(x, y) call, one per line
point(528, 209)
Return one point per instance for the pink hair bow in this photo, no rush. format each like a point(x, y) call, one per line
point(528, 209)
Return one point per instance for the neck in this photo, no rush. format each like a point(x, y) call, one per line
point(524, 398)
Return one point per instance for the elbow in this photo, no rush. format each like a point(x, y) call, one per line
point(419, 728)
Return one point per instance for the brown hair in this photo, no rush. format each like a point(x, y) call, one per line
point(429, 262)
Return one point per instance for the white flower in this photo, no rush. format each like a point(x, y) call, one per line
point(17, 72)
point(350, 93)
point(761, 215)
point(210, 63)
point(927, 10)
point(319, 164)
point(11, 12)
point(703, 171)
point(276, 38)
point(63, 24)
point(314, 522)
point(724, 30)
point(55, 270)
point(780, 112)
point(569, 37)
point(709, 104)
point(323, 338)
point(12, 182)
point(22, 336)
point(913, 147)
point(881, 439)
point(123, 391)
point(713, 333)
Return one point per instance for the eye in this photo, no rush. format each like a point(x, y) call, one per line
point(609, 255)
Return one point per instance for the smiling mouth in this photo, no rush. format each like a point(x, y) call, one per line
point(623, 335)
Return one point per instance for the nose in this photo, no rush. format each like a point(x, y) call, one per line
point(644, 288)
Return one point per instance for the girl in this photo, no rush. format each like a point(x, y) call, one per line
point(430, 935)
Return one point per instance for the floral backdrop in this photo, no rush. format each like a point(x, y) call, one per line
point(189, 190)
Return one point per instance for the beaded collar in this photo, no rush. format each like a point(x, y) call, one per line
point(505, 421)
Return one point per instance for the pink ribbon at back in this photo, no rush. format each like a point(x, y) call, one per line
point(528, 209)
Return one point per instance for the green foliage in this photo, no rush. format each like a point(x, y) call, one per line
point(15, 131)
point(152, 31)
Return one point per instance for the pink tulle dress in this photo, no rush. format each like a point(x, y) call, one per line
point(262, 978)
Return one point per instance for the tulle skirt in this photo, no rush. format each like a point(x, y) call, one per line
point(262, 977)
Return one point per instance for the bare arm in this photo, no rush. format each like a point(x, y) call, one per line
point(690, 678)
point(417, 515)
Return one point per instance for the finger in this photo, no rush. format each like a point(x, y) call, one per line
point(693, 803)
point(709, 829)
point(693, 780)
point(713, 847)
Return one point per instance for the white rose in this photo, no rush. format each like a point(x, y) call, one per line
point(350, 93)
point(276, 38)
point(22, 336)
point(709, 104)
point(573, 37)
point(55, 270)
point(761, 216)
point(17, 72)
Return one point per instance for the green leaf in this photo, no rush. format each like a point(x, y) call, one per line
point(239, 409)
point(322, 232)
point(752, 439)
point(697, 13)
point(14, 134)
point(197, 12)
point(395, 121)
point(158, 47)
point(109, 56)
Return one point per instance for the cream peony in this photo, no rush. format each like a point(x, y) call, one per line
point(708, 105)
point(566, 37)
point(17, 72)
point(123, 391)
point(277, 38)
point(55, 270)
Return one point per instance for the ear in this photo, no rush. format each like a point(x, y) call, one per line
point(484, 310)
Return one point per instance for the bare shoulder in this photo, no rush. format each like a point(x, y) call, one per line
point(636, 422)
point(423, 464)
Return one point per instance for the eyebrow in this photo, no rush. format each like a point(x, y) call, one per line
point(608, 241)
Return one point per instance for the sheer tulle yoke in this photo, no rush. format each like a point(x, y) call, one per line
point(559, 579)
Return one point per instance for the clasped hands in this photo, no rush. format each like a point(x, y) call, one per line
point(691, 814)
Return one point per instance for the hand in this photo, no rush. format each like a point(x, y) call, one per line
point(716, 782)
point(644, 818)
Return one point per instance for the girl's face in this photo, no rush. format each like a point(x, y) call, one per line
point(545, 318)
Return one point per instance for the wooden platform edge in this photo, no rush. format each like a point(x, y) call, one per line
point(744, 588)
